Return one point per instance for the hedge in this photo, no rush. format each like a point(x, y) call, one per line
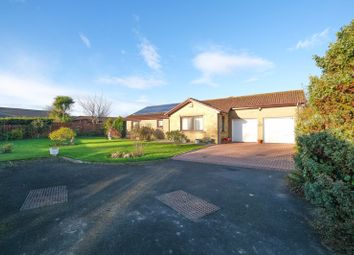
point(22, 121)
point(326, 166)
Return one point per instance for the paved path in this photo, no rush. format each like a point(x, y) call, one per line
point(113, 209)
point(270, 156)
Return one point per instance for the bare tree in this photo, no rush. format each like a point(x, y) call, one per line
point(97, 107)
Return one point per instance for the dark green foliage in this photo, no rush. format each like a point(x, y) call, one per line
point(296, 181)
point(327, 164)
point(16, 134)
point(176, 136)
point(119, 124)
point(331, 95)
point(61, 108)
point(23, 121)
point(6, 148)
point(325, 141)
point(25, 124)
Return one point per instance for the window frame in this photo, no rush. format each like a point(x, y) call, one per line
point(193, 123)
point(137, 122)
point(157, 123)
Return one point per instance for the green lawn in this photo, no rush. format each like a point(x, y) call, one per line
point(95, 150)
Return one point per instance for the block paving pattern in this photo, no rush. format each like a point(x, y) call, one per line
point(266, 156)
point(191, 207)
point(44, 197)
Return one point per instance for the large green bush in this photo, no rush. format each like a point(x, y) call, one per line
point(325, 139)
point(16, 134)
point(120, 125)
point(176, 136)
point(115, 126)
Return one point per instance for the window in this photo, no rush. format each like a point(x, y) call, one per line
point(192, 123)
point(222, 123)
point(160, 123)
point(187, 123)
point(198, 123)
point(135, 124)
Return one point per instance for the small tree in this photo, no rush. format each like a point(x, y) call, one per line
point(119, 125)
point(331, 95)
point(60, 109)
point(96, 107)
point(325, 143)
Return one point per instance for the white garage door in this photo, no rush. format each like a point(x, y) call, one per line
point(244, 130)
point(279, 130)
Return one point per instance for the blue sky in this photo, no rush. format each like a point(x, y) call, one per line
point(138, 53)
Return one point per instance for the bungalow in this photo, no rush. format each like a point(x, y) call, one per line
point(268, 117)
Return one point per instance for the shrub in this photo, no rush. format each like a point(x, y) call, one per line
point(16, 134)
point(327, 164)
point(158, 134)
point(144, 133)
point(134, 133)
point(119, 124)
point(115, 127)
point(176, 136)
point(6, 148)
point(62, 136)
point(39, 126)
point(296, 181)
point(325, 140)
point(108, 124)
point(22, 120)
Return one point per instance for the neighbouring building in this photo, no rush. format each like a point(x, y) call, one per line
point(268, 117)
point(20, 112)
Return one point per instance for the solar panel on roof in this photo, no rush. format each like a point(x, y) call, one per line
point(156, 109)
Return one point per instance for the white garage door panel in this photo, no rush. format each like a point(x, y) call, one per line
point(279, 130)
point(244, 130)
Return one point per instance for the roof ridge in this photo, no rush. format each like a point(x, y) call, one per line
point(259, 94)
point(17, 108)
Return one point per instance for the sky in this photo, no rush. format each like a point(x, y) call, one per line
point(139, 53)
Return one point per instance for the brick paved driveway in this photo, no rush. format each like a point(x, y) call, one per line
point(272, 156)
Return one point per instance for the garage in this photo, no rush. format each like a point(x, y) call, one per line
point(244, 130)
point(279, 130)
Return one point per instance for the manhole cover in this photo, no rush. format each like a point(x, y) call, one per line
point(188, 205)
point(42, 197)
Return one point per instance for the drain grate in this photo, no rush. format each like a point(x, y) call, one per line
point(188, 205)
point(43, 197)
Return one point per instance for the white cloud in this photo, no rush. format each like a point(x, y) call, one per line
point(213, 63)
point(315, 39)
point(85, 40)
point(134, 82)
point(37, 92)
point(149, 53)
